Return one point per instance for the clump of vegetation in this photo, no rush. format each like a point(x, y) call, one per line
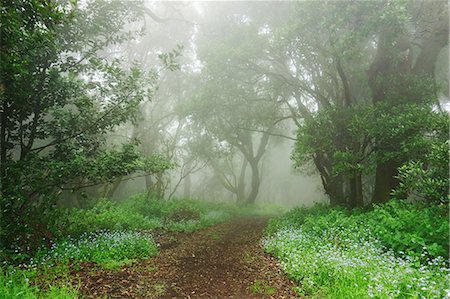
point(102, 248)
point(17, 284)
point(110, 234)
point(141, 213)
point(396, 250)
point(262, 288)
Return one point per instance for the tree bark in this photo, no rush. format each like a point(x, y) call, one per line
point(385, 181)
point(356, 192)
point(240, 188)
point(255, 182)
point(3, 148)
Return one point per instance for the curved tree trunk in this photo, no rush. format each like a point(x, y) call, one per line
point(255, 182)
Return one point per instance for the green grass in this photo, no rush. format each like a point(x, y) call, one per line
point(159, 289)
point(117, 264)
point(339, 254)
point(249, 257)
point(215, 235)
point(262, 288)
point(16, 283)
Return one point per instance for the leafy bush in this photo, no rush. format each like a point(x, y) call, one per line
point(343, 255)
point(415, 229)
point(106, 215)
point(427, 178)
point(142, 213)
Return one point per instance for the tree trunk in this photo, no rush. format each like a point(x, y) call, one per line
point(386, 65)
point(240, 188)
point(356, 194)
point(113, 188)
point(381, 82)
point(333, 185)
point(385, 181)
point(255, 182)
point(435, 39)
point(159, 186)
point(148, 183)
point(335, 191)
point(3, 147)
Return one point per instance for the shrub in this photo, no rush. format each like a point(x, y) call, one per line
point(415, 229)
point(393, 251)
point(140, 213)
point(106, 215)
point(418, 229)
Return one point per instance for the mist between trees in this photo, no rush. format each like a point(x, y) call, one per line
point(283, 102)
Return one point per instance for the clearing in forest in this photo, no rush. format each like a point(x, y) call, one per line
point(223, 261)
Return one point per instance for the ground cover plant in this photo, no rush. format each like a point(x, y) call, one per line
point(398, 250)
point(110, 235)
point(16, 284)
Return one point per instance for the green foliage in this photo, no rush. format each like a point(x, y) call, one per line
point(296, 218)
point(341, 255)
point(106, 215)
point(262, 288)
point(143, 213)
point(113, 235)
point(426, 174)
point(16, 284)
point(110, 250)
point(355, 139)
point(169, 59)
point(103, 248)
point(418, 230)
point(59, 99)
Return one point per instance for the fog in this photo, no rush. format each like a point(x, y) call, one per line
point(230, 86)
point(211, 107)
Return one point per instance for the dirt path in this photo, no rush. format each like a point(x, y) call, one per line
point(224, 261)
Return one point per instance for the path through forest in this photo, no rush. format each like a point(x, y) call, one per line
point(223, 261)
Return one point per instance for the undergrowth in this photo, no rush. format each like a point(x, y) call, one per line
point(109, 234)
point(398, 250)
point(17, 283)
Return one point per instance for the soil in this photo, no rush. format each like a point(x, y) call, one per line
point(223, 261)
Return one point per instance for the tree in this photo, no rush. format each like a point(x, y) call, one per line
point(329, 48)
point(59, 99)
point(225, 120)
point(394, 73)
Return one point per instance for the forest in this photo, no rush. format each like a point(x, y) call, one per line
point(224, 149)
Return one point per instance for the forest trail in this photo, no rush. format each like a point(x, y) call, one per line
point(223, 261)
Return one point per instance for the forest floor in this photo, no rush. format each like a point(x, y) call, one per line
point(223, 261)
